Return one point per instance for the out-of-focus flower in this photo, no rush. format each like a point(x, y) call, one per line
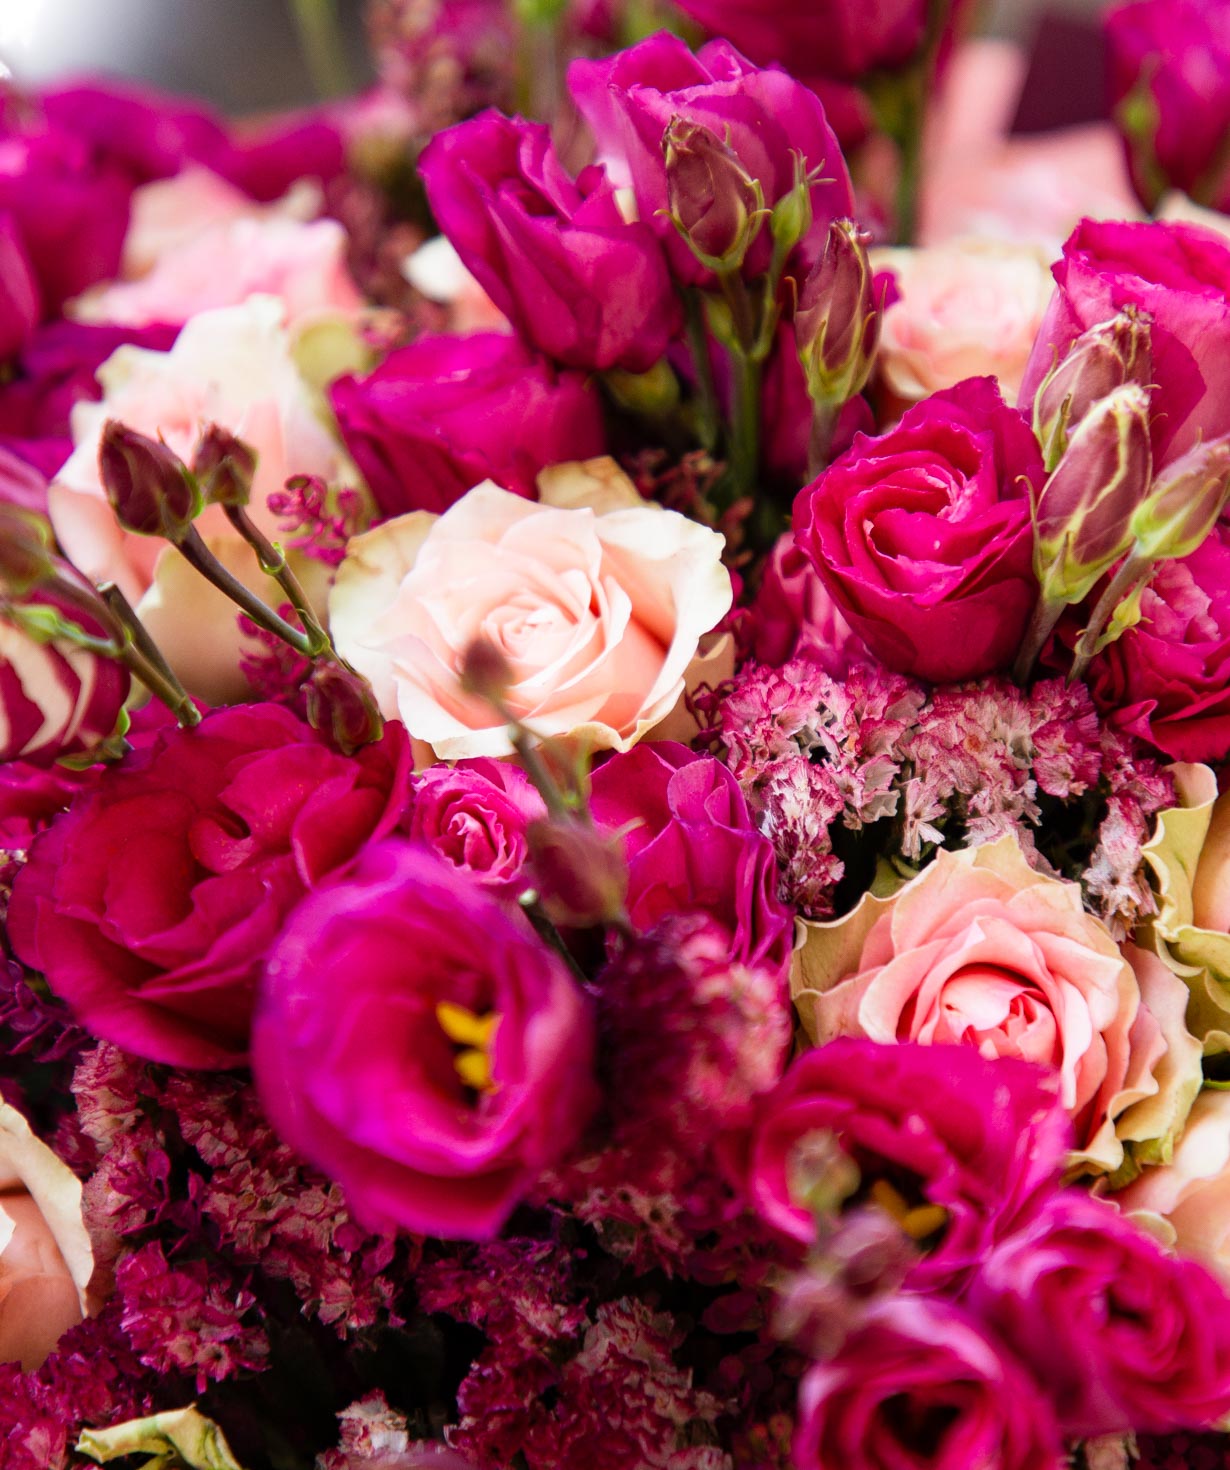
point(966, 308)
point(599, 615)
point(1146, 1336)
point(919, 1382)
point(401, 961)
point(577, 281)
point(150, 905)
point(442, 415)
point(922, 535)
point(765, 118)
point(981, 951)
point(46, 1258)
point(19, 296)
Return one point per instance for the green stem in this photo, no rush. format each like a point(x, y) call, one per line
point(198, 555)
point(909, 171)
point(324, 51)
point(824, 417)
point(1041, 626)
point(744, 463)
point(145, 659)
point(274, 564)
point(708, 418)
point(1133, 572)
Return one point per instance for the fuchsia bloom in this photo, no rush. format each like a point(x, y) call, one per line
point(922, 535)
point(446, 413)
point(984, 1140)
point(692, 847)
point(421, 1045)
point(1123, 1334)
point(151, 903)
point(475, 815)
point(919, 1384)
point(556, 256)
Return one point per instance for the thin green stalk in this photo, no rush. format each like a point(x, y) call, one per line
point(322, 45)
point(1134, 572)
point(709, 417)
point(198, 555)
point(274, 564)
point(744, 460)
point(1041, 626)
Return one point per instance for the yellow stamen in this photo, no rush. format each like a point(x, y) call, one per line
point(474, 1034)
point(919, 1222)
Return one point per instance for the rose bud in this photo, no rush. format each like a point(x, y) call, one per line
point(148, 485)
point(225, 466)
point(1083, 515)
point(341, 704)
point(1103, 358)
point(1185, 502)
point(837, 326)
point(714, 203)
point(582, 876)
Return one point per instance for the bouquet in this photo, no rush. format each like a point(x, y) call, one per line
point(614, 705)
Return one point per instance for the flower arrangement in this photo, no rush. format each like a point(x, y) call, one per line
point(615, 756)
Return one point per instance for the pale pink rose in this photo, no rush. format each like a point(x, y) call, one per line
point(303, 265)
point(967, 309)
point(1192, 1192)
point(982, 951)
point(46, 1259)
point(598, 613)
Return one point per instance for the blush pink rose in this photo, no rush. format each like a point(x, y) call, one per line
point(981, 951)
point(599, 615)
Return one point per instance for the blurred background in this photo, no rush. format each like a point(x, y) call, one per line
point(245, 56)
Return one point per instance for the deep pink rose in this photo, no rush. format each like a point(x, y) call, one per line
point(920, 1384)
point(793, 614)
point(692, 847)
point(765, 117)
point(922, 536)
point(1145, 1335)
point(556, 255)
point(983, 1139)
point(446, 413)
point(1170, 81)
point(1168, 678)
point(20, 300)
point(151, 903)
point(475, 815)
point(21, 484)
point(418, 1042)
point(1180, 275)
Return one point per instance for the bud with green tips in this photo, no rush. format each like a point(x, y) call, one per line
point(1104, 357)
point(340, 702)
point(837, 326)
point(225, 467)
point(1082, 521)
point(792, 215)
point(1185, 502)
point(714, 203)
point(27, 558)
point(150, 488)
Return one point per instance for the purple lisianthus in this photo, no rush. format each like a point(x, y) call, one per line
point(766, 118)
point(420, 1044)
point(475, 815)
point(446, 413)
point(1178, 274)
point(692, 847)
point(982, 1140)
point(922, 536)
point(1145, 1339)
point(151, 903)
point(919, 1383)
point(577, 281)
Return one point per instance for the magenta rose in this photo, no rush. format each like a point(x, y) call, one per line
point(418, 1042)
point(1145, 1339)
point(1170, 88)
point(151, 903)
point(984, 1140)
point(1168, 678)
point(922, 536)
point(1180, 275)
point(446, 413)
point(475, 815)
point(556, 255)
point(692, 847)
point(794, 615)
point(20, 301)
point(765, 117)
point(919, 1384)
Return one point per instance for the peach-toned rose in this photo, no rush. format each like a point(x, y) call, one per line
point(967, 309)
point(1211, 888)
point(1192, 1192)
point(981, 951)
point(46, 1260)
point(303, 265)
point(599, 613)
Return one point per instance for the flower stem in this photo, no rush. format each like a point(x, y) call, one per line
point(324, 51)
point(708, 418)
point(824, 417)
point(274, 564)
point(145, 659)
point(198, 555)
point(1041, 626)
point(1134, 572)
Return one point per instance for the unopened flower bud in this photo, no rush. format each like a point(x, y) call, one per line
point(148, 485)
point(1104, 357)
point(1082, 522)
point(225, 466)
point(26, 556)
point(485, 672)
point(792, 214)
point(837, 327)
point(714, 203)
point(341, 703)
point(581, 874)
point(1185, 502)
